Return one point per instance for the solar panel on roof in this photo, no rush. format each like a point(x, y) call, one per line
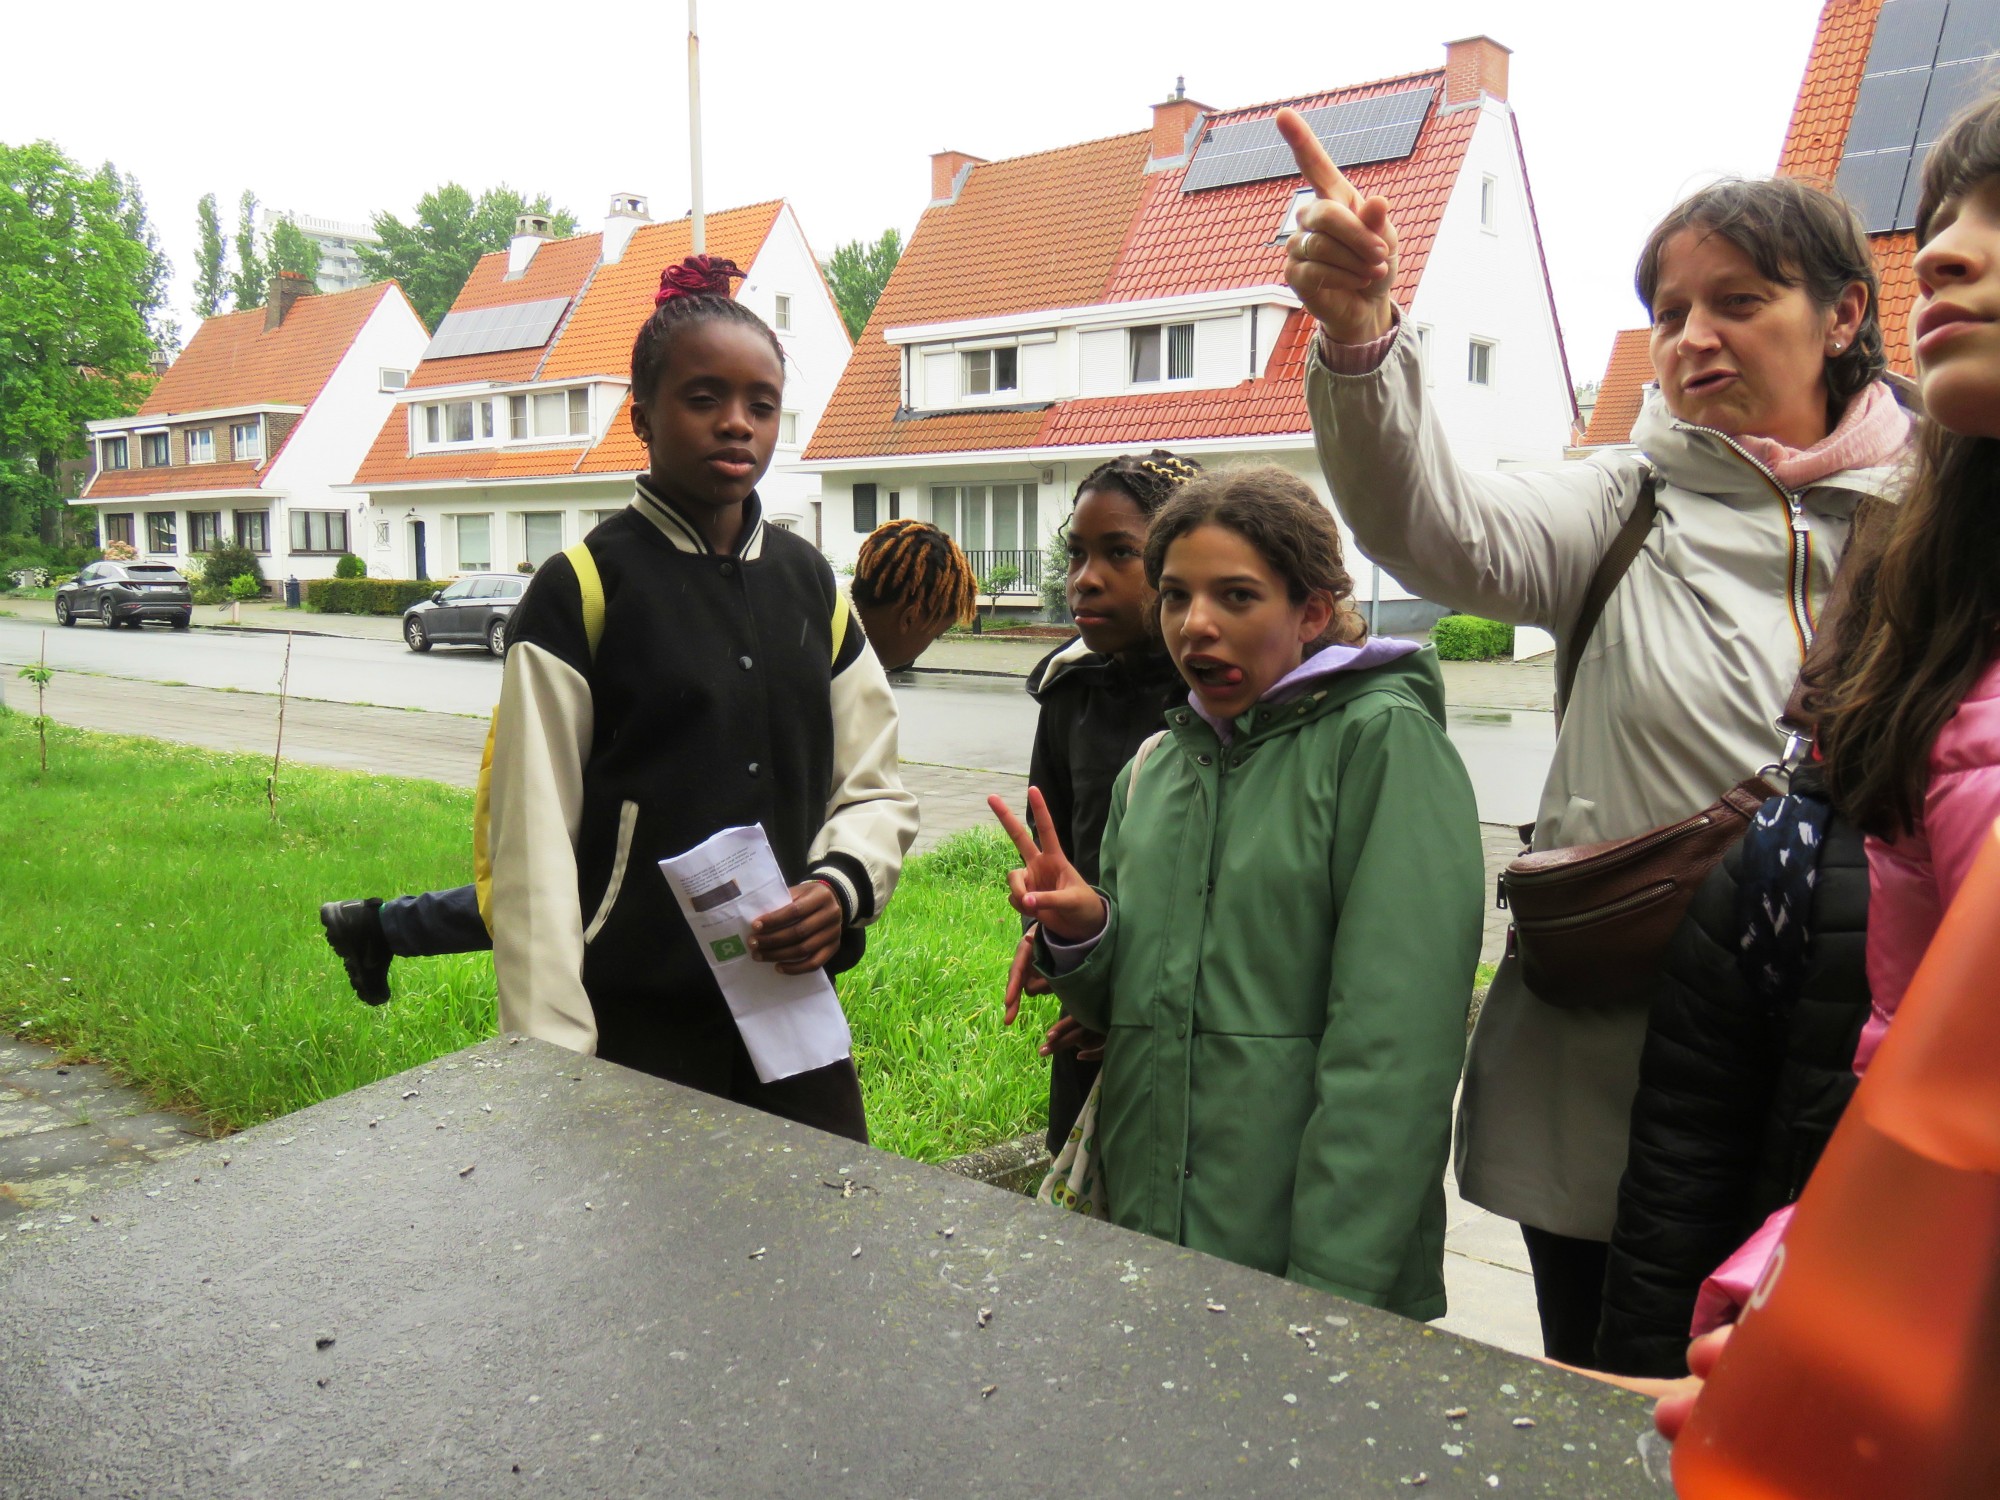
point(491, 330)
point(1928, 60)
point(1354, 133)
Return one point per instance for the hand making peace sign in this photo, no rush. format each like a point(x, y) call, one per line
point(1342, 262)
point(1047, 888)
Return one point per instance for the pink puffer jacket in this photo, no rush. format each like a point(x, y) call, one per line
point(1912, 881)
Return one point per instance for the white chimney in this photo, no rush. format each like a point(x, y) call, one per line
point(628, 212)
point(529, 232)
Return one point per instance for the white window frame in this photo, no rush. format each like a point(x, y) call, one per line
point(254, 449)
point(207, 454)
point(561, 530)
point(788, 429)
point(781, 313)
point(1289, 224)
point(1489, 203)
point(984, 364)
point(1421, 332)
point(387, 379)
point(465, 564)
point(1479, 361)
point(1167, 333)
point(1027, 513)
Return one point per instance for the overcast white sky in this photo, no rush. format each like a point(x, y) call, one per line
point(344, 107)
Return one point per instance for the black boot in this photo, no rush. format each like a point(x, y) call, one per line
point(354, 931)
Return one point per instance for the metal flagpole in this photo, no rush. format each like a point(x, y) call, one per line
point(694, 131)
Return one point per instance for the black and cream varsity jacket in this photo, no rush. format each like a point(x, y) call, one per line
point(715, 699)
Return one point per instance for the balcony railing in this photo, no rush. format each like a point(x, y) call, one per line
point(1026, 562)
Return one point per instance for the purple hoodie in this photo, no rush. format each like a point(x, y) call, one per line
point(1376, 651)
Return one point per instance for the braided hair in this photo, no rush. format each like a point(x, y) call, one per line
point(695, 291)
point(912, 562)
point(1147, 482)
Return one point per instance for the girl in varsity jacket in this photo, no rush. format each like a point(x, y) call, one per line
point(723, 686)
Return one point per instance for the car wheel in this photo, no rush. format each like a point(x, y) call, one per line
point(415, 634)
point(104, 612)
point(496, 637)
point(183, 621)
point(63, 615)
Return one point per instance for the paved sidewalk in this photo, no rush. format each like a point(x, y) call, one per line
point(67, 1129)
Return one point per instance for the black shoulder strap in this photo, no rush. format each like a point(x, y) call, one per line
point(1611, 570)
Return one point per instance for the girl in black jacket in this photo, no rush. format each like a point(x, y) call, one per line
point(1101, 696)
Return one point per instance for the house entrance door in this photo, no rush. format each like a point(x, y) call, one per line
point(423, 570)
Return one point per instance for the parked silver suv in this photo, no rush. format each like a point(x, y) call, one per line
point(126, 593)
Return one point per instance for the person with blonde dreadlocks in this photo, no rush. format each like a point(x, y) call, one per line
point(1101, 697)
point(911, 584)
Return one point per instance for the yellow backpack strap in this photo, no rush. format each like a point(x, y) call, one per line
point(839, 619)
point(590, 586)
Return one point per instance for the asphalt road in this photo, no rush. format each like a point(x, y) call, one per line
point(979, 723)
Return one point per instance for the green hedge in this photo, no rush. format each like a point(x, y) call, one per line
point(366, 596)
point(1469, 638)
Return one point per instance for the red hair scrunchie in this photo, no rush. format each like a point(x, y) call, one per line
point(698, 276)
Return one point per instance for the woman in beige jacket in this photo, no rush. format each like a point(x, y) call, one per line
point(1768, 425)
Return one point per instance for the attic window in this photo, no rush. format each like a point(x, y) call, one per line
point(1178, 339)
point(1489, 193)
point(549, 414)
point(781, 314)
point(112, 453)
point(990, 371)
point(1289, 225)
point(393, 380)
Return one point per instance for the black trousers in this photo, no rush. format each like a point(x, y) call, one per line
point(1569, 1292)
point(1069, 1085)
point(702, 1049)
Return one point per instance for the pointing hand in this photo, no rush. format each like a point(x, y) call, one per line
point(1342, 262)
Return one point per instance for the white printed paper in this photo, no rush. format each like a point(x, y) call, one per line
point(791, 1023)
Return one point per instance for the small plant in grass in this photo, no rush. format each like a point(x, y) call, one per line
point(39, 675)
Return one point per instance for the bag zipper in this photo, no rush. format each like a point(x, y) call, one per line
point(1538, 879)
point(1639, 898)
point(1799, 596)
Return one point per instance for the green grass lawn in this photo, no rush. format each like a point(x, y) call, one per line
point(153, 916)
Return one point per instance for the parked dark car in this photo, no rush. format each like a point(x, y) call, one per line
point(126, 593)
point(471, 610)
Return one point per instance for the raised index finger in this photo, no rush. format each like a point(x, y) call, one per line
point(1024, 841)
point(1327, 180)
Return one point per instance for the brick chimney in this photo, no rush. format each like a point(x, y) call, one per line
point(1174, 120)
point(529, 232)
point(285, 289)
point(945, 169)
point(1474, 65)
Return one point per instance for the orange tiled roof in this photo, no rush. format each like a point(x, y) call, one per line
point(1065, 209)
point(181, 479)
point(1818, 135)
point(1620, 391)
point(595, 338)
point(232, 361)
point(1818, 132)
point(560, 269)
point(1031, 232)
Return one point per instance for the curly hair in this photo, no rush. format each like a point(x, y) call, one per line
point(912, 562)
point(695, 291)
point(1796, 235)
point(1278, 514)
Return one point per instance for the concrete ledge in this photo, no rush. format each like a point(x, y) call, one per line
point(519, 1271)
point(1018, 1166)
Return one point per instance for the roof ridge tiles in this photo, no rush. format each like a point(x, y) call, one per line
point(1097, 140)
point(1295, 100)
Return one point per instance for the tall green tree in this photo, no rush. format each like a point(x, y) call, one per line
point(211, 278)
point(433, 254)
point(155, 308)
point(857, 273)
point(290, 250)
point(246, 287)
point(74, 344)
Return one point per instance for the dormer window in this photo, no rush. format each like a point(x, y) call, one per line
point(1153, 345)
point(246, 439)
point(201, 445)
point(112, 453)
point(989, 371)
point(546, 414)
point(153, 452)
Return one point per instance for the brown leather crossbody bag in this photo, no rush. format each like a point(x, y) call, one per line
point(1595, 919)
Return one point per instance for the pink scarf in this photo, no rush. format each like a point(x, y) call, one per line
point(1874, 430)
